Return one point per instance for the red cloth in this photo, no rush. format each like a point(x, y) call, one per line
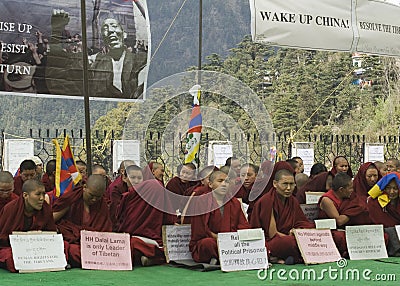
point(117, 189)
point(202, 245)
point(288, 215)
point(353, 207)
point(176, 186)
point(265, 184)
point(360, 184)
point(140, 211)
point(48, 184)
point(12, 218)
point(389, 216)
point(18, 185)
point(315, 184)
point(4, 201)
point(73, 221)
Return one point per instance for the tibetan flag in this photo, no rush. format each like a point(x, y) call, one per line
point(67, 174)
point(195, 125)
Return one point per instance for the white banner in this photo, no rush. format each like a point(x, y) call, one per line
point(344, 25)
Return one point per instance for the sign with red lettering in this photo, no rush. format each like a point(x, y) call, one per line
point(105, 250)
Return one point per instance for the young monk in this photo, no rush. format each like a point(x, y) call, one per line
point(27, 170)
point(82, 208)
point(341, 165)
point(278, 213)
point(154, 170)
point(384, 208)
point(248, 174)
point(143, 210)
point(217, 213)
point(6, 188)
point(132, 176)
point(367, 176)
point(28, 212)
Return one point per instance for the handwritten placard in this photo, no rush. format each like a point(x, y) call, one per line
point(237, 255)
point(176, 240)
point(38, 252)
point(316, 245)
point(313, 197)
point(365, 242)
point(105, 250)
point(311, 211)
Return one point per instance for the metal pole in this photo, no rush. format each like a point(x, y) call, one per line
point(86, 89)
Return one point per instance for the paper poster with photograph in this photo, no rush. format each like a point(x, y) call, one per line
point(42, 48)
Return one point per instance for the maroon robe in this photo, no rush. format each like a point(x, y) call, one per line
point(77, 219)
point(142, 212)
point(117, 189)
point(288, 215)
point(389, 215)
point(264, 185)
point(4, 201)
point(18, 185)
point(334, 171)
point(315, 184)
point(148, 174)
point(360, 184)
point(13, 218)
point(202, 245)
point(176, 186)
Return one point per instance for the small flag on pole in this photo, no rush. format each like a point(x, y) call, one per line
point(67, 174)
point(192, 147)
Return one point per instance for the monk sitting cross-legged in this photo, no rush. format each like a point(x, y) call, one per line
point(83, 208)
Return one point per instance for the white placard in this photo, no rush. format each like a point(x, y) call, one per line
point(374, 152)
point(310, 211)
point(304, 150)
point(236, 255)
point(365, 242)
point(329, 223)
point(347, 25)
point(125, 150)
point(16, 151)
point(218, 152)
point(176, 240)
point(37, 252)
point(313, 197)
point(397, 230)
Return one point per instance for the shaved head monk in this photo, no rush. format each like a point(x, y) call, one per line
point(278, 213)
point(217, 213)
point(27, 170)
point(28, 212)
point(6, 188)
point(82, 208)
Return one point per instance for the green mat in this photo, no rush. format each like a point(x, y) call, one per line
point(381, 270)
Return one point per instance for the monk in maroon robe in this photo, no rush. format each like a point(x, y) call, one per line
point(132, 176)
point(6, 188)
point(319, 183)
point(142, 213)
point(27, 213)
point(27, 170)
point(278, 213)
point(343, 205)
point(224, 215)
point(49, 178)
point(154, 170)
point(341, 164)
point(83, 208)
point(367, 176)
point(248, 174)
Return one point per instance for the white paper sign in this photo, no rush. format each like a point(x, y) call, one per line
point(236, 255)
point(176, 240)
point(16, 151)
point(304, 150)
point(329, 223)
point(38, 252)
point(374, 152)
point(218, 152)
point(125, 150)
point(365, 242)
point(313, 197)
point(311, 211)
